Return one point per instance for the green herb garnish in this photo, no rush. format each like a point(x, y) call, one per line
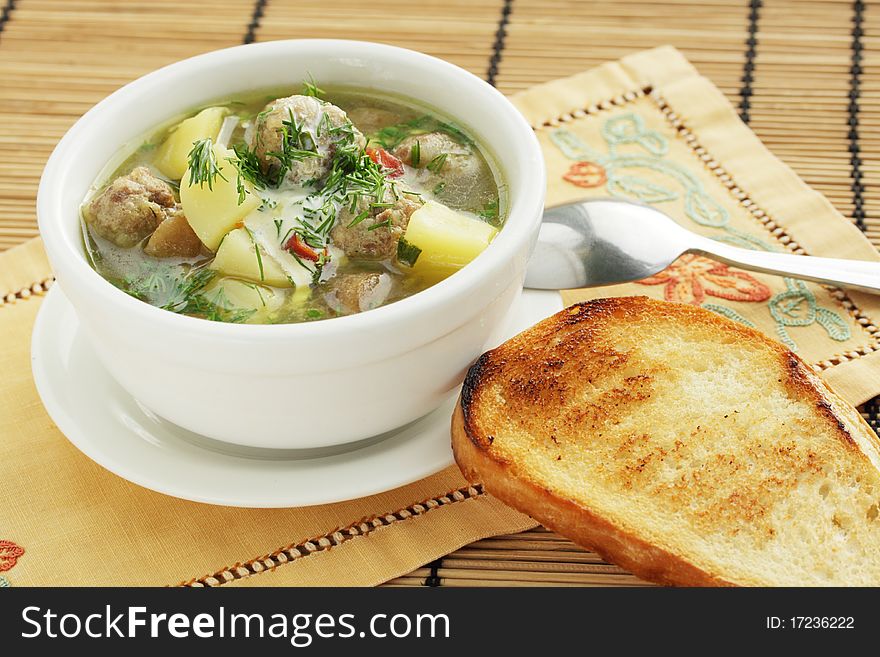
point(381, 224)
point(359, 218)
point(312, 89)
point(202, 164)
point(296, 145)
point(415, 153)
point(256, 288)
point(216, 308)
point(247, 165)
point(437, 163)
point(490, 211)
point(257, 251)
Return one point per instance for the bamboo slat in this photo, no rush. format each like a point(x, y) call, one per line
point(534, 558)
point(460, 31)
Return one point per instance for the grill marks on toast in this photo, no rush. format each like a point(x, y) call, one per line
point(680, 427)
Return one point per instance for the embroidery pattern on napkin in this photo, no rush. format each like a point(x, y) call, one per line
point(9, 555)
point(684, 280)
point(632, 164)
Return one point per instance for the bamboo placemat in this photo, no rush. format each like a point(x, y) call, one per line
point(804, 73)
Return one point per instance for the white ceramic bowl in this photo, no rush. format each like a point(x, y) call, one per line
point(294, 385)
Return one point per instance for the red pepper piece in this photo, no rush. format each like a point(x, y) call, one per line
point(300, 248)
point(393, 167)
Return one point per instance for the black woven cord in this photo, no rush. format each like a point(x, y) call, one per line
point(872, 408)
point(855, 74)
point(433, 578)
point(256, 17)
point(498, 46)
point(6, 13)
point(748, 76)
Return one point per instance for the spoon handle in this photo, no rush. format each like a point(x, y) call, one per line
point(861, 275)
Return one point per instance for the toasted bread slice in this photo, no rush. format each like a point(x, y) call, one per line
point(678, 444)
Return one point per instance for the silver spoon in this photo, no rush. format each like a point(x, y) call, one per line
point(607, 241)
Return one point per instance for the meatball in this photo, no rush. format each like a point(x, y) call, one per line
point(316, 134)
point(461, 171)
point(130, 208)
point(431, 145)
point(364, 240)
point(460, 160)
point(353, 293)
point(174, 238)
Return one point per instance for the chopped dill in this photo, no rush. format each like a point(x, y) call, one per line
point(490, 211)
point(187, 287)
point(415, 153)
point(256, 288)
point(202, 165)
point(296, 145)
point(257, 251)
point(359, 218)
point(310, 88)
point(216, 307)
point(381, 224)
point(435, 165)
point(247, 165)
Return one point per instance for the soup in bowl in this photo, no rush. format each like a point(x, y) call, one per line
point(355, 219)
point(280, 206)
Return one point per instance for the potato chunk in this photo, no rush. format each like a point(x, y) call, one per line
point(237, 257)
point(214, 211)
point(448, 239)
point(172, 158)
point(173, 238)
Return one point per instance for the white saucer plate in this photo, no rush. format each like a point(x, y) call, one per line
point(112, 429)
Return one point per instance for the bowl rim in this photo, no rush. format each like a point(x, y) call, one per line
point(524, 214)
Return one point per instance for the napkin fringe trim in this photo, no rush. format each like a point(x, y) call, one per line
point(303, 549)
point(35, 289)
point(776, 231)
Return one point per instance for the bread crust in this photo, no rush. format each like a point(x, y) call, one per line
point(506, 481)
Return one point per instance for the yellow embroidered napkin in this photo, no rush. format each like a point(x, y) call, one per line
point(648, 128)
